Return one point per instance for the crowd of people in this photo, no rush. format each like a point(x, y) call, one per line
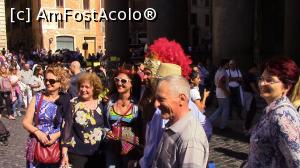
point(150, 114)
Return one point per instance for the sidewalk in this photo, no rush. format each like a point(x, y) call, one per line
point(229, 148)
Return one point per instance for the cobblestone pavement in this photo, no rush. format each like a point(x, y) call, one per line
point(228, 148)
point(13, 155)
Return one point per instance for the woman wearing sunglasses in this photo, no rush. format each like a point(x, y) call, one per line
point(124, 121)
point(84, 127)
point(46, 110)
point(275, 140)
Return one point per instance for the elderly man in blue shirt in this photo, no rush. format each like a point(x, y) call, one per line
point(155, 126)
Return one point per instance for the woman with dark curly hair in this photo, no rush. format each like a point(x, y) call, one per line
point(38, 77)
point(84, 126)
point(125, 121)
point(275, 140)
point(46, 111)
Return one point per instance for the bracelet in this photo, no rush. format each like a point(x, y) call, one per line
point(35, 131)
point(65, 154)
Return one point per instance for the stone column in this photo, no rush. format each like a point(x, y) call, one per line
point(171, 22)
point(233, 30)
point(117, 32)
point(3, 36)
point(292, 29)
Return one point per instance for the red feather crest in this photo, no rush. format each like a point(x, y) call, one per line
point(170, 52)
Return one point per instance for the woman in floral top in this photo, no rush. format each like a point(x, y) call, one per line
point(124, 120)
point(275, 141)
point(84, 126)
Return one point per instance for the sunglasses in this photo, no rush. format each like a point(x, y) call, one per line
point(51, 81)
point(123, 81)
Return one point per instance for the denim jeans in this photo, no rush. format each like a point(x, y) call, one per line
point(222, 111)
point(17, 104)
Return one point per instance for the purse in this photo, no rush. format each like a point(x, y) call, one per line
point(46, 154)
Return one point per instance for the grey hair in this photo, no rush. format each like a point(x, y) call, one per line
point(177, 85)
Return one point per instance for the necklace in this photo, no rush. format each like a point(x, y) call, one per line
point(123, 103)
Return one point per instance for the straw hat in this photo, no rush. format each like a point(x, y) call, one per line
point(168, 69)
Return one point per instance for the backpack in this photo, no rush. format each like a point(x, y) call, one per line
point(6, 85)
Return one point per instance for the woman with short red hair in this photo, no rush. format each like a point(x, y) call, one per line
point(275, 141)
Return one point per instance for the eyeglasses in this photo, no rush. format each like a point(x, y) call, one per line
point(51, 81)
point(268, 80)
point(123, 81)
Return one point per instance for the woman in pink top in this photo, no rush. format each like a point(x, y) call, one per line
point(16, 95)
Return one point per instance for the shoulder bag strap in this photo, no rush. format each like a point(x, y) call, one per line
point(38, 110)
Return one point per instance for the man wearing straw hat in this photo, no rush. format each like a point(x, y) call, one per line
point(157, 69)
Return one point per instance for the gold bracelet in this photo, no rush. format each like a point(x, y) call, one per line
point(35, 131)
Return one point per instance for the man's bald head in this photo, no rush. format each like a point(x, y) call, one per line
point(75, 67)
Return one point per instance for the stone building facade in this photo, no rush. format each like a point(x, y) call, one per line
point(71, 34)
point(3, 35)
point(58, 34)
point(200, 22)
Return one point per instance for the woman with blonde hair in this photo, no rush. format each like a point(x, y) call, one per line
point(46, 111)
point(16, 95)
point(84, 125)
point(295, 96)
point(5, 92)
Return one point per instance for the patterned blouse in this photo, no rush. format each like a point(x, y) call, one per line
point(275, 141)
point(131, 124)
point(85, 132)
point(47, 116)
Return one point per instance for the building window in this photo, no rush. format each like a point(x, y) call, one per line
point(65, 42)
point(59, 3)
point(86, 4)
point(207, 20)
point(206, 3)
point(87, 25)
point(60, 24)
point(193, 20)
